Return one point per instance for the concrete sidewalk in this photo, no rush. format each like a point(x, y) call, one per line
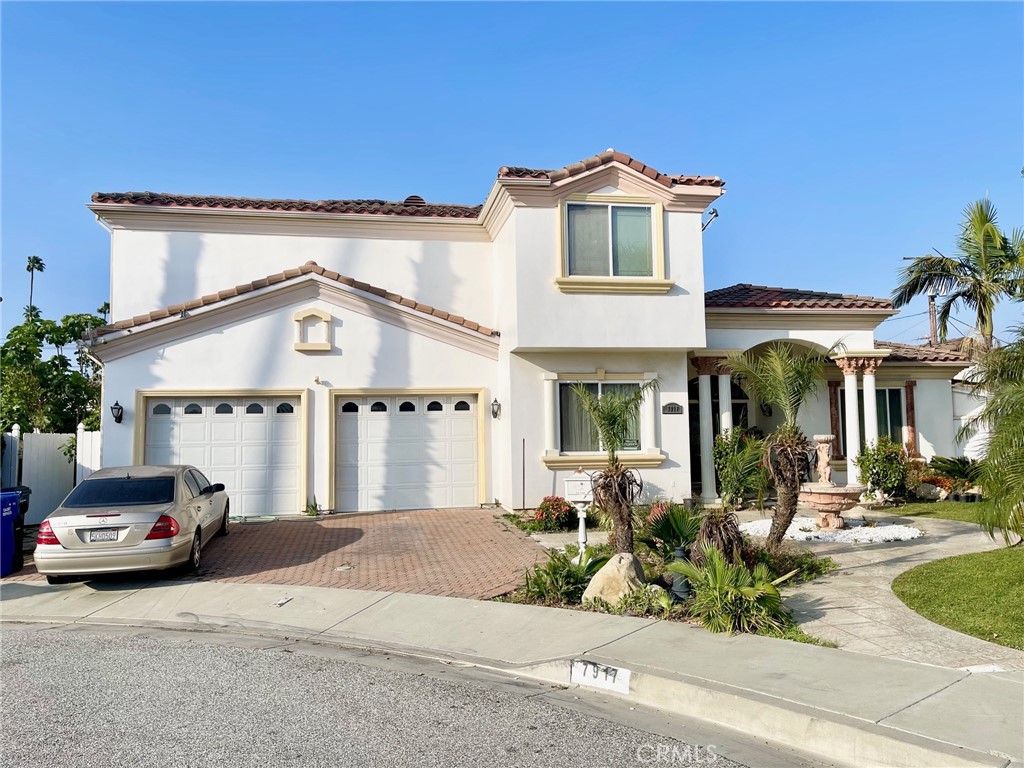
point(854, 709)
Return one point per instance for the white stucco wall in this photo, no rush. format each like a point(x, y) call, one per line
point(967, 404)
point(257, 353)
point(762, 331)
point(154, 269)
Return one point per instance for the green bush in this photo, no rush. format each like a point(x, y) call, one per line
point(738, 458)
point(655, 603)
point(676, 527)
point(554, 514)
point(884, 467)
point(789, 557)
point(559, 580)
point(732, 598)
point(962, 473)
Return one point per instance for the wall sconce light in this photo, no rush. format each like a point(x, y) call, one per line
point(117, 411)
point(495, 409)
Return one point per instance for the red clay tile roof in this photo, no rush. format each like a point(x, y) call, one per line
point(747, 296)
point(412, 206)
point(608, 156)
point(948, 352)
point(310, 267)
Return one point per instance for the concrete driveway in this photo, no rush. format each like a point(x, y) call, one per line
point(448, 552)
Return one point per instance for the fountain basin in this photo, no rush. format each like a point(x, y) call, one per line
point(830, 501)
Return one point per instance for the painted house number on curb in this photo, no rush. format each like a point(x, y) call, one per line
point(593, 675)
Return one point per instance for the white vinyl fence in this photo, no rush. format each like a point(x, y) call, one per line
point(37, 460)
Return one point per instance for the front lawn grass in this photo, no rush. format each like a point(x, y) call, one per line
point(962, 511)
point(981, 594)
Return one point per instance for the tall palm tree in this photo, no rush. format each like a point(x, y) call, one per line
point(1000, 374)
point(986, 269)
point(35, 264)
point(784, 377)
point(616, 488)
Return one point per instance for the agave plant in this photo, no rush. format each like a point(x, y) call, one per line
point(562, 579)
point(732, 598)
point(676, 527)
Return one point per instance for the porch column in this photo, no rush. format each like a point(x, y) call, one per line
point(849, 366)
point(550, 423)
point(833, 418)
point(870, 403)
point(724, 401)
point(908, 390)
point(706, 366)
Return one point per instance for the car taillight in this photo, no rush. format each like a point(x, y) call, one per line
point(45, 534)
point(165, 527)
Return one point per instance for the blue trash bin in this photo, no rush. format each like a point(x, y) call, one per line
point(10, 515)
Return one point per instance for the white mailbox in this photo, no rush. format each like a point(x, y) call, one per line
point(578, 490)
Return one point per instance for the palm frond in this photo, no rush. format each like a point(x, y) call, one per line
point(782, 375)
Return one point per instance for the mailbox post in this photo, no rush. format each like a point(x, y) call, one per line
point(578, 491)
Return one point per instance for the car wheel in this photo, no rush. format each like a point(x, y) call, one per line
point(223, 530)
point(58, 579)
point(195, 556)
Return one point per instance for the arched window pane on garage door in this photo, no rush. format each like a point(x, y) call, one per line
point(193, 409)
point(161, 409)
point(434, 405)
point(379, 407)
point(224, 408)
point(285, 408)
point(350, 408)
point(462, 405)
point(407, 407)
point(254, 408)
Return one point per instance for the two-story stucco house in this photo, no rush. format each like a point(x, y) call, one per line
point(400, 355)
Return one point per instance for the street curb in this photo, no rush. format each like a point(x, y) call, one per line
point(820, 733)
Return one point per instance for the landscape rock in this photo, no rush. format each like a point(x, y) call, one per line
point(618, 577)
point(928, 492)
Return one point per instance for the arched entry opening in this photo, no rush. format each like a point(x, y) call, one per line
point(740, 418)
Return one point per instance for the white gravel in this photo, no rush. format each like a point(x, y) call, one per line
point(856, 532)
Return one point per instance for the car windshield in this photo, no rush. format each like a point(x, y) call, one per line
point(122, 492)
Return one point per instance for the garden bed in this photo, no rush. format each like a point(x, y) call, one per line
point(856, 532)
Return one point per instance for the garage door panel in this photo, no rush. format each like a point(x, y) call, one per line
point(255, 455)
point(405, 459)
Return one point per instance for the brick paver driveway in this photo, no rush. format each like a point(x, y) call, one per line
point(456, 552)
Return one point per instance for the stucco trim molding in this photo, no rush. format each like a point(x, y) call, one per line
point(636, 285)
point(599, 460)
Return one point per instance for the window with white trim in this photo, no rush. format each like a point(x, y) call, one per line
point(609, 240)
point(889, 405)
point(576, 430)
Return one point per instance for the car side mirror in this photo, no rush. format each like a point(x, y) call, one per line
point(213, 488)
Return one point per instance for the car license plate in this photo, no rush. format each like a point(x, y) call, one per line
point(106, 534)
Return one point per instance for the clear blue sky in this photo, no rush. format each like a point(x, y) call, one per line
point(850, 135)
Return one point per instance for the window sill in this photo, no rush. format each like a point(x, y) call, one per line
point(312, 346)
point(648, 285)
point(599, 460)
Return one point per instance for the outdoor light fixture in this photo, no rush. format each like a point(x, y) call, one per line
point(712, 215)
point(117, 411)
point(495, 409)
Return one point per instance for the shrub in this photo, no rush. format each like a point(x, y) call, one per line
point(737, 456)
point(883, 467)
point(560, 580)
point(719, 530)
point(732, 598)
point(939, 482)
point(962, 473)
point(788, 558)
point(676, 527)
point(656, 603)
point(554, 514)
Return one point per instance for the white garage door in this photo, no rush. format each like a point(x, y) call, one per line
point(249, 444)
point(405, 452)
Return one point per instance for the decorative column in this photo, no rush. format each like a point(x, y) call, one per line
point(706, 366)
point(870, 403)
point(550, 426)
point(849, 366)
point(724, 400)
point(833, 418)
point(908, 390)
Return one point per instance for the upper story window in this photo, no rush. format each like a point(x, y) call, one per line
point(606, 240)
point(612, 244)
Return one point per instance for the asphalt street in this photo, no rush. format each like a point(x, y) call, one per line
point(96, 698)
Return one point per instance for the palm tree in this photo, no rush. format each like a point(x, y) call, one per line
point(104, 310)
point(783, 377)
point(1000, 373)
point(35, 264)
point(987, 269)
point(616, 488)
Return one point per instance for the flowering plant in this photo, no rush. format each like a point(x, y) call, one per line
point(554, 513)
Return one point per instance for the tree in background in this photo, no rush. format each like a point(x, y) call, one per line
point(1000, 374)
point(35, 264)
point(987, 268)
point(784, 377)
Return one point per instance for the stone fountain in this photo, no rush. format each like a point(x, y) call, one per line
point(825, 497)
